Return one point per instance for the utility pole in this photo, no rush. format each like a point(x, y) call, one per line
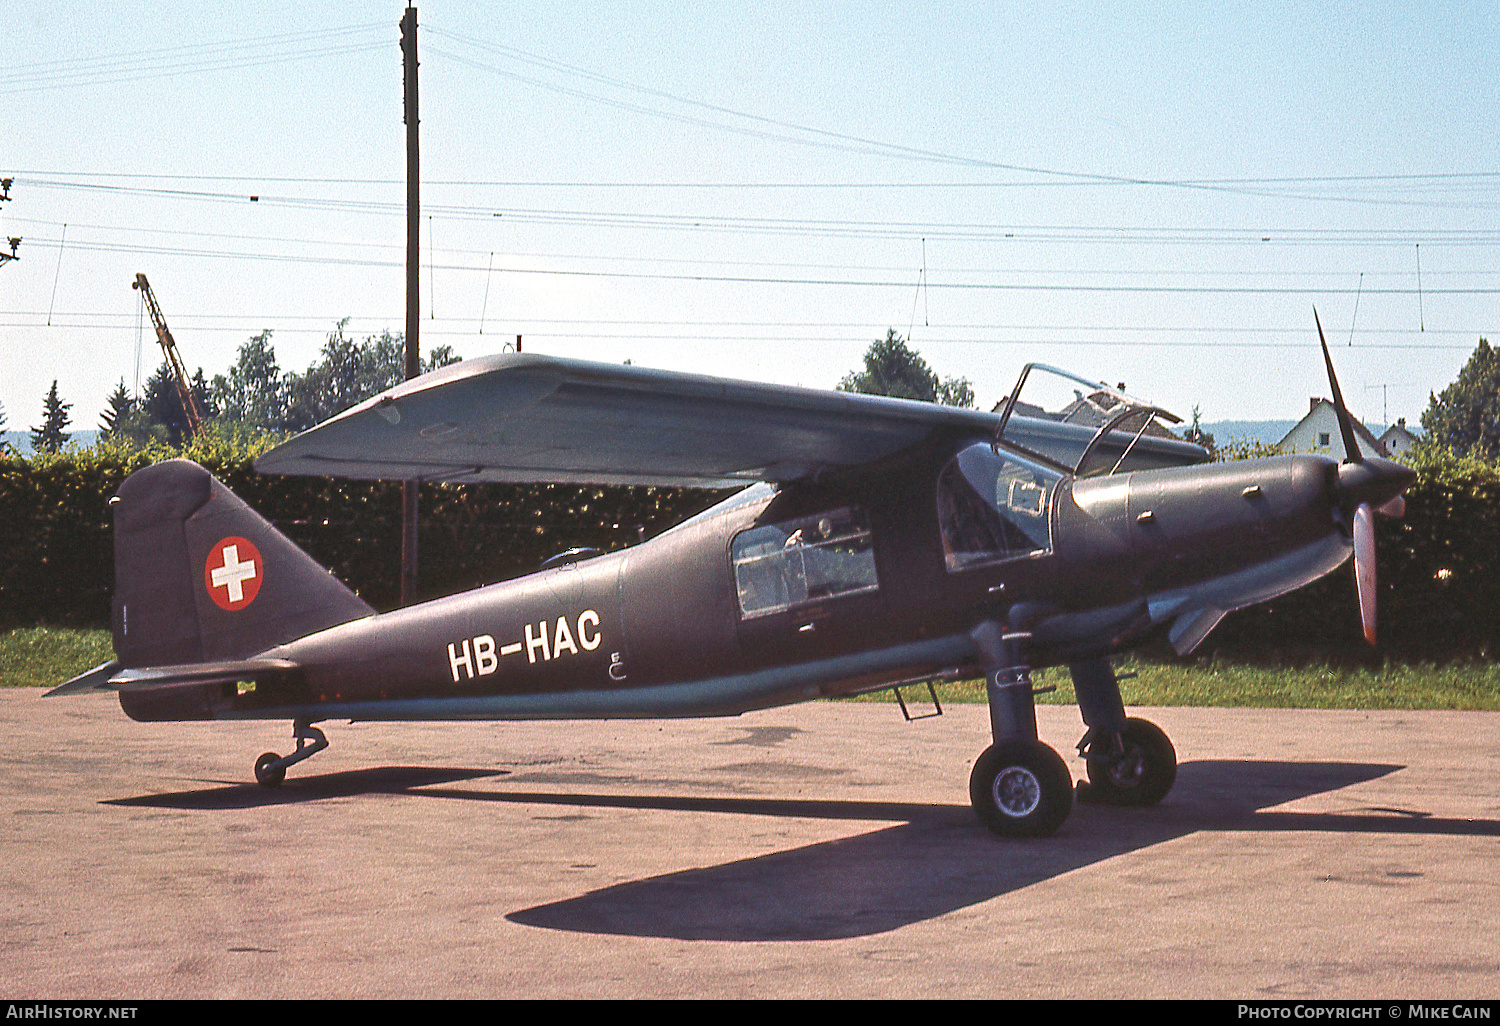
point(5, 184)
point(413, 295)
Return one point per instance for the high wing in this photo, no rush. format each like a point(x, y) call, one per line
point(524, 417)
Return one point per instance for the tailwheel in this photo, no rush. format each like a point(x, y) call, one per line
point(1137, 769)
point(1021, 789)
point(267, 773)
point(270, 769)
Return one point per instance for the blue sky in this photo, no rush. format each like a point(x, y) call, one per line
point(1154, 194)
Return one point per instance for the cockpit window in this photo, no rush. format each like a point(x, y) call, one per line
point(994, 506)
point(779, 566)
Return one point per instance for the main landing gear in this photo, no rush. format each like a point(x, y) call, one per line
point(270, 769)
point(1022, 788)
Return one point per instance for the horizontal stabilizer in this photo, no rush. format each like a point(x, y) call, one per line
point(111, 676)
point(96, 679)
point(224, 672)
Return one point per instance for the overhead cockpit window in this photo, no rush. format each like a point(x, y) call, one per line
point(994, 506)
point(779, 566)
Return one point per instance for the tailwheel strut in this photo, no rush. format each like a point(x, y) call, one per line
point(270, 768)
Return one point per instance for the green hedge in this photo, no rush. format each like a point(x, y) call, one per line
point(57, 557)
point(1439, 567)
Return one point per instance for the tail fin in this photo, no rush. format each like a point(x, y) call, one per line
point(200, 576)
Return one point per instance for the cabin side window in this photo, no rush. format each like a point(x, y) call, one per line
point(781, 566)
point(993, 506)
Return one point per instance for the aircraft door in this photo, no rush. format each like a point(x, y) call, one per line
point(806, 587)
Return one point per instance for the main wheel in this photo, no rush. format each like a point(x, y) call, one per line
point(267, 774)
point(1021, 789)
point(1141, 773)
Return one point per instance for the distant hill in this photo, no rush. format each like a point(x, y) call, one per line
point(1267, 431)
point(20, 441)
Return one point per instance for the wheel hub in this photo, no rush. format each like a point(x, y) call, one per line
point(1128, 769)
point(1017, 791)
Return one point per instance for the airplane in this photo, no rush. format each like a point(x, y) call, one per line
point(873, 543)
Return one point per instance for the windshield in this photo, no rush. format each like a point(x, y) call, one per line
point(994, 506)
point(1106, 422)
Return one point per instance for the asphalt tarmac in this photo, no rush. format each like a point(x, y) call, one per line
point(823, 850)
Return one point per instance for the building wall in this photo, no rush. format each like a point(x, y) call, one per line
point(1318, 432)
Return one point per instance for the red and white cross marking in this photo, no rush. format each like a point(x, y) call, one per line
point(232, 573)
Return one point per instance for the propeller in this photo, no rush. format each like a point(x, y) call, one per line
point(1363, 484)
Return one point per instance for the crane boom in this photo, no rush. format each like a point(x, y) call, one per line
point(174, 359)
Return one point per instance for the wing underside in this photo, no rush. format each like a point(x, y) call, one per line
point(524, 417)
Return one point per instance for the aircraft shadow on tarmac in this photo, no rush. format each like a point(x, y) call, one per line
point(378, 780)
point(934, 859)
point(940, 860)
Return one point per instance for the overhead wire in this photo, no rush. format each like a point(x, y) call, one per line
point(812, 136)
point(843, 227)
point(188, 59)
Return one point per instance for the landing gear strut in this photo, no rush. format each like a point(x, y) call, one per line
point(1130, 761)
point(1019, 787)
point(270, 768)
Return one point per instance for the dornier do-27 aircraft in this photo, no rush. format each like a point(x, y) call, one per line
point(878, 542)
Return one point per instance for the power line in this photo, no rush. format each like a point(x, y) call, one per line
point(1480, 178)
point(871, 325)
point(741, 279)
point(810, 136)
point(835, 227)
point(823, 332)
point(344, 244)
point(188, 59)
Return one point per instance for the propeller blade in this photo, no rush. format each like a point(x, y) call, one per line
point(1346, 423)
point(1364, 567)
point(1395, 508)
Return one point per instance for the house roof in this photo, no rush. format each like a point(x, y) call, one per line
point(1360, 431)
point(1400, 431)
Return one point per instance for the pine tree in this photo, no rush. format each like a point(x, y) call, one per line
point(113, 420)
point(51, 437)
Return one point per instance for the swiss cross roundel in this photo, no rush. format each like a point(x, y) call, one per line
point(233, 573)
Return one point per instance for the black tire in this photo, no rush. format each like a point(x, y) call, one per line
point(1021, 789)
point(1140, 775)
point(266, 774)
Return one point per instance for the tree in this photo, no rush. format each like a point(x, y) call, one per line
point(51, 437)
point(113, 420)
point(891, 368)
point(161, 405)
point(1198, 436)
point(351, 372)
point(253, 393)
point(1465, 418)
point(4, 444)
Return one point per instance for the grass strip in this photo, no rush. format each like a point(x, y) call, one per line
point(47, 656)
